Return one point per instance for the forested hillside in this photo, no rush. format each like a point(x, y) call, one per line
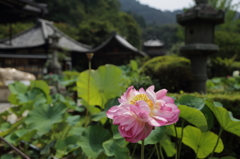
point(89, 22)
point(151, 15)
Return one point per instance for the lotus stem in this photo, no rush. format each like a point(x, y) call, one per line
point(176, 142)
point(16, 149)
point(219, 134)
point(142, 150)
point(180, 143)
point(151, 154)
point(156, 147)
point(161, 153)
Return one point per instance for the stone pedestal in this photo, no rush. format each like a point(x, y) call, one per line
point(199, 23)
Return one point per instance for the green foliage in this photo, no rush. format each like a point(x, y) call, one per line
point(54, 125)
point(202, 143)
point(91, 22)
point(172, 72)
point(151, 15)
point(94, 32)
point(136, 78)
point(92, 139)
point(97, 87)
point(42, 118)
point(223, 84)
point(224, 117)
point(134, 33)
point(155, 136)
point(16, 28)
point(223, 66)
point(228, 43)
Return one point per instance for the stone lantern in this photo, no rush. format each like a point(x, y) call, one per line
point(199, 23)
point(55, 66)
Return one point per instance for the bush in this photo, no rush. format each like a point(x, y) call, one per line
point(223, 66)
point(172, 72)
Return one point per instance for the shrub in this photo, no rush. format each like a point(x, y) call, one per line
point(172, 72)
point(223, 66)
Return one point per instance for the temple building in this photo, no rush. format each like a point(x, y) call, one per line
point(30, 50)
point(153, 47)
point(115, 50)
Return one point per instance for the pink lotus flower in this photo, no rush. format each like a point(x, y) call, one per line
point(140, 111)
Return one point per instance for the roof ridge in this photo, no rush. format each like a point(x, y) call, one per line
point(18, 34)
point(51, 24)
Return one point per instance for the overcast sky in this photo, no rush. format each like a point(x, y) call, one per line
point(171, 4)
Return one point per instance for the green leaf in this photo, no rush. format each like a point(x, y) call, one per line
point(196, 117)
point(104, 84)
point(46, 149)
point(12, 98)
point(224, 117)
point(7, 156)
point(18, 88)
point(209, 116)
point(113, 149)
point(155, 136)
point(202, 143)
point(92, 139)
point(63, 146)
point(40, 84)
point(41, 118)
point(171, 131)
point(13, 127)
point(77, 131)
point(73, 120)
point(31, 95)
point(117, 137)
point(168, 146)
point(191, 101)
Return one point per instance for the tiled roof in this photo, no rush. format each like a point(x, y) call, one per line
point(122, 42)
point(39, 35)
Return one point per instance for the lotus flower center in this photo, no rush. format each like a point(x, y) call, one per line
point(142, 97)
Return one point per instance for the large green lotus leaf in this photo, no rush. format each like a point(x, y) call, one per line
point(92, 139)
point(42, 85)
point(155, 136)
point(202, 143)
point(191, 101)
point(171, 131)
point(35, 94)
point(104, 84)
point(194, 116)
point(111, 148)
point(209, 116)
point(224, 117)
point(42, 118)
point(18, 88)
point(168, 146)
